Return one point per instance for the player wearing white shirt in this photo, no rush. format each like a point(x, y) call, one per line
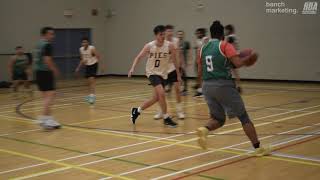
point(90, 58)
point(172, 74)
point(159, 53)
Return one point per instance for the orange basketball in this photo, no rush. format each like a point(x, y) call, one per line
point(248, 52)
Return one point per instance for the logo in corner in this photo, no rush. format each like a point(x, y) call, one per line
point(310, 8)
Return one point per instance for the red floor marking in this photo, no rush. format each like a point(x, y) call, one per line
point(239, 160)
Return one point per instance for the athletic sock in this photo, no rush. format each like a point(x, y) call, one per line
point(139, 110)
point(179, 107)
point(165, 116)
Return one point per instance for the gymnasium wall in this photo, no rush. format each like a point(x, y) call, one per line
point(288, 44)
point(21, 21)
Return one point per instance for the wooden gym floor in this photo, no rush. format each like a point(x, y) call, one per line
point(99, 142)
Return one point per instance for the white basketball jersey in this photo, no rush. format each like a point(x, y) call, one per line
point(87, 55)
point(175, 42)
point(158, 59)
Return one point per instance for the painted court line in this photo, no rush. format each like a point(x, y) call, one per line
point(211, 151)
point(118, 147)
point(181, 143)
point(61, 164)
point(211, 163)
point(93, 153)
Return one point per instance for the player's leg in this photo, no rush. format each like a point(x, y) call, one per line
point(155, 81)
point(46, 84)
point(163, 105)
point(28, 73)
point(217, 114)
point(185, 82)
point(231, 99)
point(179, 107)
point(91, 72)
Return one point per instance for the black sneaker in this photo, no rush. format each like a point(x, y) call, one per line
point(168, 122)
point(134, 115)
point(198, 95)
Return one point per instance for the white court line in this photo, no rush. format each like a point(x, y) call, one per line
point(176, 143)
point(82, 102)
point(93, 153)
point(288, 140)
point(214, 162)
point(282, 87)
point(12, 105)
point(272, 108)
point(298, 110)
point(211, 151)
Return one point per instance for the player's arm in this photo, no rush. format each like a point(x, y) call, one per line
point(143, 53)
point(233, 56)
point(80, 63)
point(10, 66)
point(95, 53)
point(175, 61)
point(48, 60)
point(198, 58)
point(189, 55)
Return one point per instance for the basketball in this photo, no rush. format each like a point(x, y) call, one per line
point(247, 52)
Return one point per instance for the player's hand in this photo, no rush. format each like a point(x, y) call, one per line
point(252, 60)
point(56, 73)
point(77, 70)
point(104, 69)
point(130, 72)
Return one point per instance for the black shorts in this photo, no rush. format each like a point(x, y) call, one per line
point(45, 80)
point(155, 80)
point(20, 76)
point(91, 70)
point(172, 77)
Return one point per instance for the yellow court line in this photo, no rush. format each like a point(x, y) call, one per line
point(224, 132)
point(142, 138)
point(62, 164)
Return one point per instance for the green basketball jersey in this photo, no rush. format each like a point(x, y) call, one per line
point(214, 64)
point(39, 63)
point(20, 64)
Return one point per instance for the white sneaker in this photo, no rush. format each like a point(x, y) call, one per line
point(158, 116)
point(49, 124)
point(180, 115)
point(53, 123)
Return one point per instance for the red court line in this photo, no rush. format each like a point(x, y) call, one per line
point(239, 160)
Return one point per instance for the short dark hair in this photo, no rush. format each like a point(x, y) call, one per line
point(217, 30)
point(230, 27)
point(169, 26)
point(158, 29)
point(44, 30)
point(85, 39)
point(202, 31)
point(18, 47)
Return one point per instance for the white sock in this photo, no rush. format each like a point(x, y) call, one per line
point(199, 90)
point(165, 116)
point(44, 118)
point(159, 110)
point(179, 107)
point(139, 110)
point(92, 95)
